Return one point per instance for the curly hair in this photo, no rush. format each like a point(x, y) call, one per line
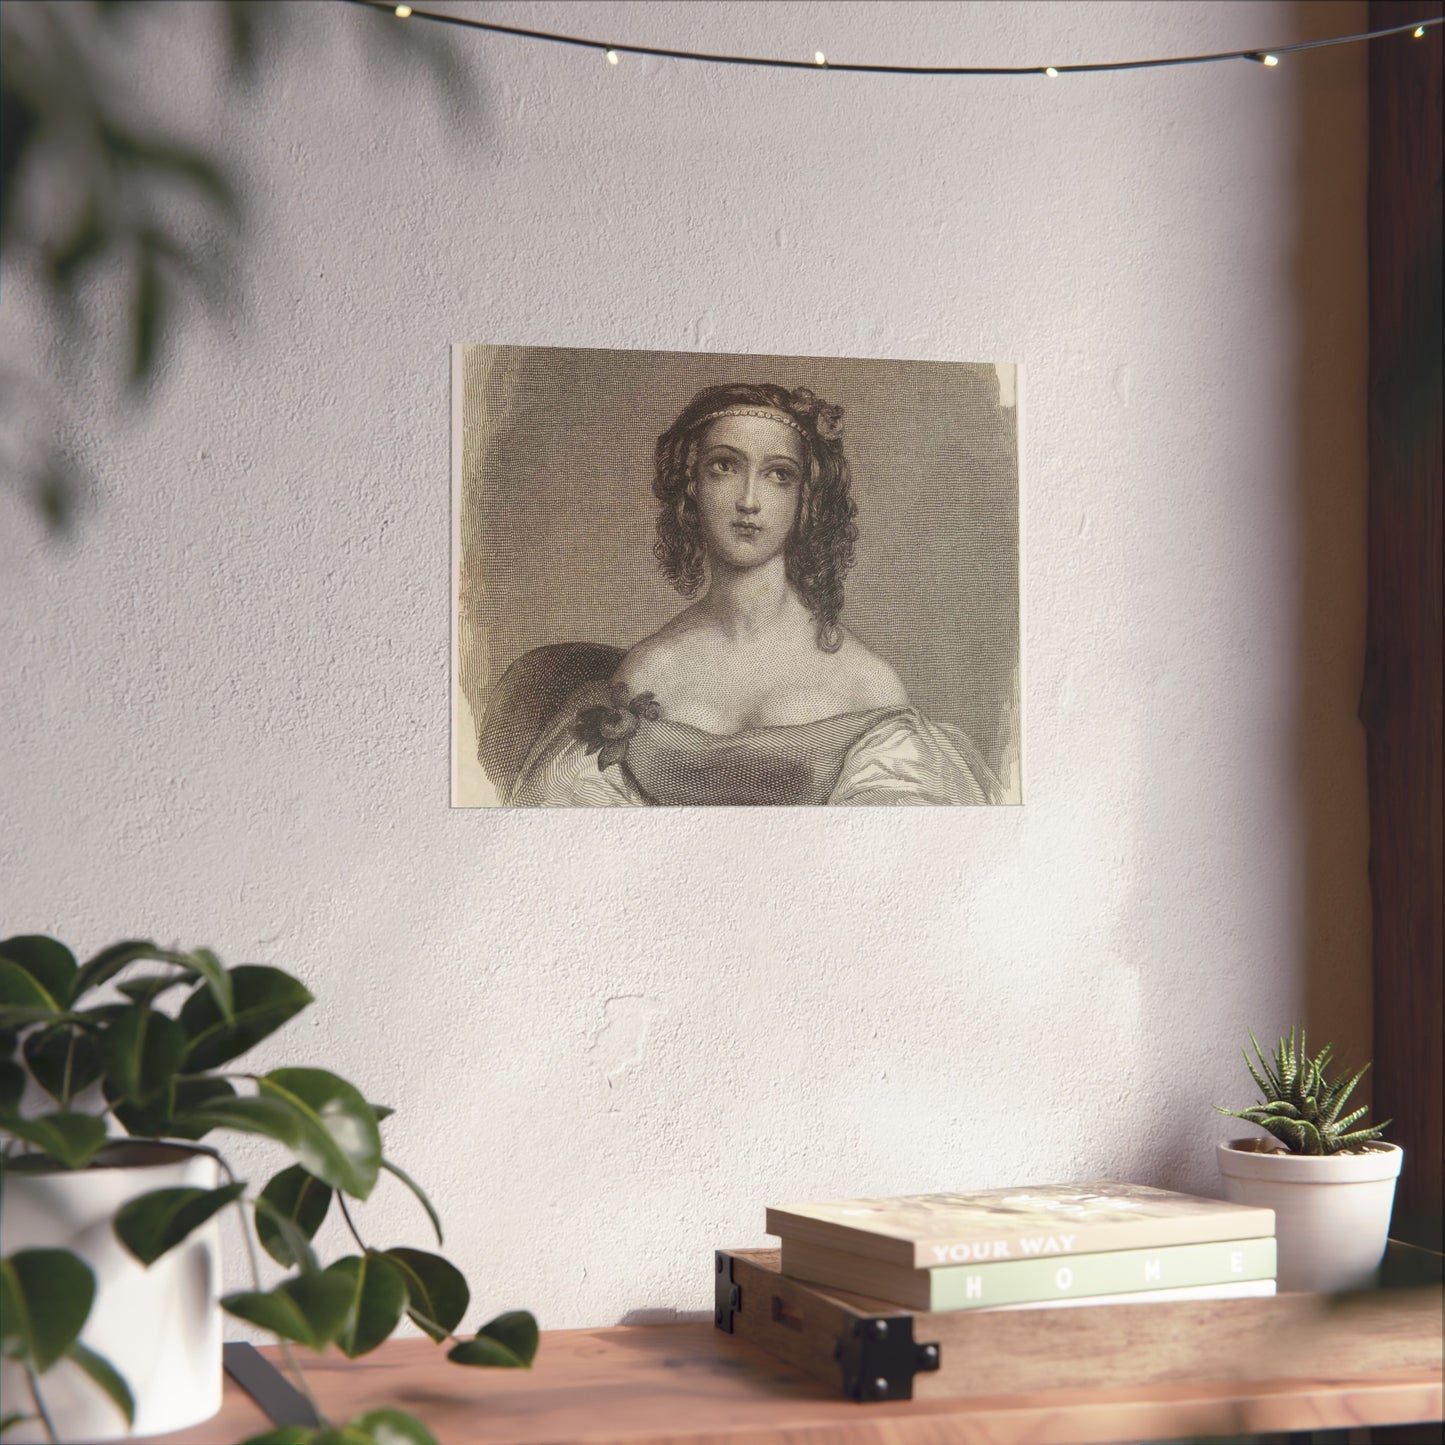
point(820, 550)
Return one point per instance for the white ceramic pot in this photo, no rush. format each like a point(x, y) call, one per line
point(160, 1327)
point(1331, 1211)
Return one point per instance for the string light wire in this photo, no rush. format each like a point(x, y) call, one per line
point(1268, 55)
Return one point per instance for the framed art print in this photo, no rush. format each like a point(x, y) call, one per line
point(686, 579)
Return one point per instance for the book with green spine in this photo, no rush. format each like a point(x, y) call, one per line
point(1034, 1281)
point(923, 1231)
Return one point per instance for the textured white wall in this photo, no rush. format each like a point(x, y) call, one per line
point(611, 1040)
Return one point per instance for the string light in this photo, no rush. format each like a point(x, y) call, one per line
point(612, 57)
point(1261, 56)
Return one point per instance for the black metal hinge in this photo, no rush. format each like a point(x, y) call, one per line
point(727, 1296)
point(880, 1358)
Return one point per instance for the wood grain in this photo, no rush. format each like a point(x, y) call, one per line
point(1401, 699)
point(694, 1385)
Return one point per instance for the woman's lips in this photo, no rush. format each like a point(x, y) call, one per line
point(747, 529)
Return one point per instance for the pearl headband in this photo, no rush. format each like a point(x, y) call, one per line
point(769, 413)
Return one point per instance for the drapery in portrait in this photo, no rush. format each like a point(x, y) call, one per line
point(699, 579)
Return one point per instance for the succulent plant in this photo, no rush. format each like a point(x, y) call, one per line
point(1301, 1108)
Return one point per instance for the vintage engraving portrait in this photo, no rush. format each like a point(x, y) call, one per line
point(691, 579)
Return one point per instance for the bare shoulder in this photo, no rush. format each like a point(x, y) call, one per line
point(658, 662)
point(868, 681)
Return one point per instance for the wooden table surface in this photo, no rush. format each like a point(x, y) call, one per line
point(692, 1384)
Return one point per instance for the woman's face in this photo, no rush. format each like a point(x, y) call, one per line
point(748, 477)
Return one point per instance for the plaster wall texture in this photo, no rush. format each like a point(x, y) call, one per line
point(612, 1040)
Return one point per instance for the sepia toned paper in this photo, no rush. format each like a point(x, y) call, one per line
point(689, 579)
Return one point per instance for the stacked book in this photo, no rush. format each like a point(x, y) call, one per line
point(1031, 1247)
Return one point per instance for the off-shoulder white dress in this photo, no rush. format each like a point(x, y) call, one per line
point(600, 747)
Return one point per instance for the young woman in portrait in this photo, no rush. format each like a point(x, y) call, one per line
point(755, 693)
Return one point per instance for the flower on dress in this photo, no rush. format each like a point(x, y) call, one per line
point(607, 728)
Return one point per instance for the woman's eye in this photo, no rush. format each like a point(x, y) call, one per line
point(782, 476)
point(720, 465)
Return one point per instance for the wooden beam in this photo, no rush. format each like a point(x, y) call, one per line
point(1401, 699)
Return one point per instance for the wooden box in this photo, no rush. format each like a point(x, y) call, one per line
point(870, 1350)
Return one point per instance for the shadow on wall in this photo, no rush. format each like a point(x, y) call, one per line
point(1324, 905)
point(90, 188)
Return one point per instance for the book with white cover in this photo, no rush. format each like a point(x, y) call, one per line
point(924, 1231)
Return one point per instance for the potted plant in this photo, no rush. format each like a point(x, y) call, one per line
point(109, 1198)
point(1331, 1186)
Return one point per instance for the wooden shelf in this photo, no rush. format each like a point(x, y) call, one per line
point(670, 1384)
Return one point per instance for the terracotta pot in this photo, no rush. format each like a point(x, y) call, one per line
point(1331, 1211)
point(160, 1327)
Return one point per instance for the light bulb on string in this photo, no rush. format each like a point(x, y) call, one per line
point(1260, 57)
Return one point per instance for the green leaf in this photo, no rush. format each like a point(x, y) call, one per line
point(109, 962)
point(209, 967)
point(50, 964)
point(160, 1117)
point(47, 1053)
point(378, 1296)
point(12, 1086)
point(437, 1293)
point(10, 1421)
point(46, 1297)
point(331, 1136)
point(264, 999)
point(416, 1189)
point(295, 1243)
point(99, 1017)
point(310, 1310)
point(507, 1342)
point(340, 1143)
point(151, 1224)
point(23, 999)
point(14, 1323)
point(148, 989)
point(517, 1331)
point(73, 1139)
point(10, 1041)
point(382, 1111)
point(284, 1435)
point(341, 1435)
point(392, 1427)
point(187, 1094)
point(141, 1121)
point(141, 1051)
point(1360, 1136)
point(298, 1197)
point(106, 1376)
